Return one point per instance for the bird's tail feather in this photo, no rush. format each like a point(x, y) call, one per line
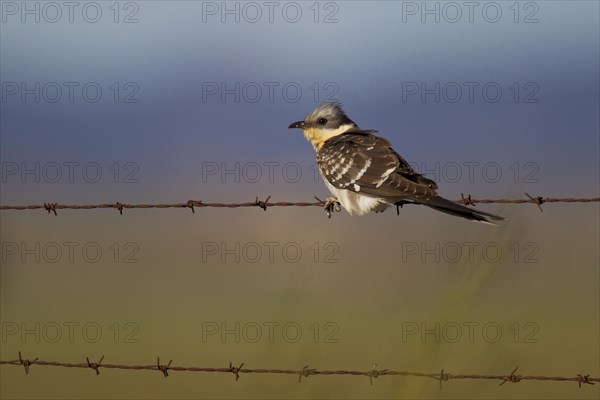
point(450, 207)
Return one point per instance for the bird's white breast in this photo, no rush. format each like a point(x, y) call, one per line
point(356, 203)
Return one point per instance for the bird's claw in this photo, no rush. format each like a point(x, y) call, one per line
point(399, 205)
point(331, 204)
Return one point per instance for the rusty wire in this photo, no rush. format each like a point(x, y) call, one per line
point(305, 372)
point(264, 204)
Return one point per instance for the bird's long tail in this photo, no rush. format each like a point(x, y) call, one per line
point(450, 207)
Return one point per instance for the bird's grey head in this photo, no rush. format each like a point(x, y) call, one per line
point(328, 116)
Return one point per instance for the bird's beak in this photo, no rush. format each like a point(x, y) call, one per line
point(299, 124)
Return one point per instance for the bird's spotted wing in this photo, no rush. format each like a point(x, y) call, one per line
point(362, 162)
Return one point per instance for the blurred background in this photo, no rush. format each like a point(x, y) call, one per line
point(159, 102)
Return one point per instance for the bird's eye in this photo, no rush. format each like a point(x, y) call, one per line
point(322, 121)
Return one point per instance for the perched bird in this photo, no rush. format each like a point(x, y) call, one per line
point(364, 173)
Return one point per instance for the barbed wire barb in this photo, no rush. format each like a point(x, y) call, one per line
point(585, 379)
point(26, 363)
point(192, 203)
point(163, 368)
point(443, 377)
point(512, 377)
point(306, 372)
point(51, 207)
point(262, 204)
point(539, 200)
point(466, 201)
point(95, 366)
point(235, 370)
point(375, 373)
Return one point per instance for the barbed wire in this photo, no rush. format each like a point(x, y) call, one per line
point(264, 204)
point(305, 372)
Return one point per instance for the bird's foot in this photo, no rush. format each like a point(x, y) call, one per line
point(399, 205)
point(330, 205)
